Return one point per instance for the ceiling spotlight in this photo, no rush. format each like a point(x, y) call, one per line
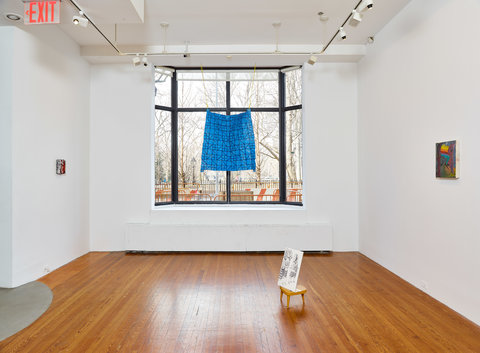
point(342, 33)
point(13, 17)
point(136, 60)
point(312, 60)
point(80, 20)
point(365, 5)
point(356, 18)
point(145, 60)
point(371, 40)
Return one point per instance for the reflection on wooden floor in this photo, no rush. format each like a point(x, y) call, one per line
point(116, 302)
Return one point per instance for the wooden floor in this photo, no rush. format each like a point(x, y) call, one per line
point(115, 302)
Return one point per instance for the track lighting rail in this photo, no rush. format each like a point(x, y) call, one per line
point(339, 29)
point(95, 26)
point(361, 3)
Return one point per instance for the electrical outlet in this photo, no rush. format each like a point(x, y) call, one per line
point(423, 285)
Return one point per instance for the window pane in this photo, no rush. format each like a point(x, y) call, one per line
point(193, 185)
point(293, 87)
point(163, 90)
point(261, 94)
point(294, 155)
point(263, 184)
point(163, 156)
point(193, 94)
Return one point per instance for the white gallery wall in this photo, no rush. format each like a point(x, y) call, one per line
point(49, 97)
point(418, 85)
point(6, 46)
point(121, 108)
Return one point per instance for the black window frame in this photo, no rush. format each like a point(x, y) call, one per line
point(282, 109)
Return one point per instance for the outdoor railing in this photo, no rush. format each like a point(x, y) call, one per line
point(209, 188)
point(260, 194)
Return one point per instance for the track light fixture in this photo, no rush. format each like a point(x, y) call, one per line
point(145, 60)
point(312, 60)
point(136, 60)
point(80, 20)
point(365, 5)
point(356, 18)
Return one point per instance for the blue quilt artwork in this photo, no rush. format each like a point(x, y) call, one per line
point(228, 142)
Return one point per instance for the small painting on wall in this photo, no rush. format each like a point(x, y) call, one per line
point(447, 160)
point(292, 260)
point(60, 166)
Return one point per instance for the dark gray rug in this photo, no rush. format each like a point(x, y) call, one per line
point(21, 306)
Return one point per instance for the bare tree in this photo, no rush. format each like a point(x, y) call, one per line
point(294, 126)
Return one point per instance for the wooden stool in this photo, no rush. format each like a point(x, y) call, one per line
point(300, 290)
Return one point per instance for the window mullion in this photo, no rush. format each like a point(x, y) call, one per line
point(282, 149)
point(174, 138)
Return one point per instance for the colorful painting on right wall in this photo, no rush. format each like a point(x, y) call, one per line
point(447, 160)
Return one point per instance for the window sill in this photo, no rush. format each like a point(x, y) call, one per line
point(228, 207)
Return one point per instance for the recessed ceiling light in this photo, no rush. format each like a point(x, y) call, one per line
point(13, 17)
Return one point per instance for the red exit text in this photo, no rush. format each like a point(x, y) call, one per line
point(38, 12)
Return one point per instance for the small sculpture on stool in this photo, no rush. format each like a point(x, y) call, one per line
point(288, 277)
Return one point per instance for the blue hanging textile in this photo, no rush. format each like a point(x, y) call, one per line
point(228, 142)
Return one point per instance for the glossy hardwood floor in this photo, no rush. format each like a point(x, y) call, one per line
point(115, 302)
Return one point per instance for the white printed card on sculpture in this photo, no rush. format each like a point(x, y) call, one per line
point(292, 260)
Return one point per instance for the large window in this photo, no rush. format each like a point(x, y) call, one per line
point(181, 100)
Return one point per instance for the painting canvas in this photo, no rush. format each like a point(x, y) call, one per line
point(292, 260)
point(447, 160)
point(60, 166)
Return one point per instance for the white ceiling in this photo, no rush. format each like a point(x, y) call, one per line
point(218, 22)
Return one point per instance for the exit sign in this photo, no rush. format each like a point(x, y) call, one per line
point(38, 12)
